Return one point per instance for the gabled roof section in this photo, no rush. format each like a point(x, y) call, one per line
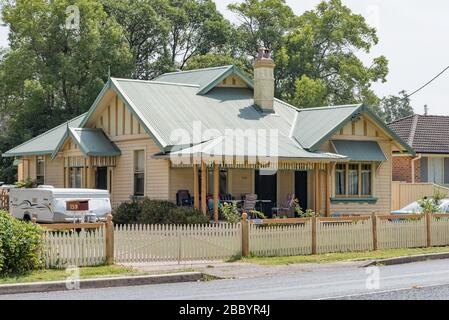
point(425, 134)
point(92, 142)
point(314, 126)
point(206, 79)
point(45, 143)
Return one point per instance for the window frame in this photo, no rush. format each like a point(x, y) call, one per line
point(40, 159)
point(138, 173)
point(360, 173)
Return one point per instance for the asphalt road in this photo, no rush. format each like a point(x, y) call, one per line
point(421, 280)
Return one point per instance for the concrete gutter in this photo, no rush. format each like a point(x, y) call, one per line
point(407, 259)
point(99, 283)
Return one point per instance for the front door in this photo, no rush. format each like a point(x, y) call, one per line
point(301, 188)
point(266, 185)
point(101, 178)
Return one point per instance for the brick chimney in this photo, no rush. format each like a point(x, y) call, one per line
point(264, 80)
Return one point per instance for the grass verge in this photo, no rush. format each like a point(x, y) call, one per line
point(344, 256)
point(61, 274)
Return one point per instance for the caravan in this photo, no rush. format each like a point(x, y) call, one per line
point(56, 205)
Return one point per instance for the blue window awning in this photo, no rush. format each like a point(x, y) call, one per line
point(359, 150)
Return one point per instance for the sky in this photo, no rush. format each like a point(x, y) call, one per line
point(412, 35)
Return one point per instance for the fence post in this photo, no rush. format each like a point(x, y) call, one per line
point(314, 227)
point(109, 240)
point(374, 224)
point(429, 229)
point(245, 235)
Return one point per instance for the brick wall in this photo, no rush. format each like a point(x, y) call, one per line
point(402, 167)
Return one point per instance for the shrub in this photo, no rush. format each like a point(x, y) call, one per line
point(185, 215)
point(230, 213)
point(20, 245)
point(154, 211)
point(126, 212)
point(148, 211)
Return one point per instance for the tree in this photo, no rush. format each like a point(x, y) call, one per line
point(196, 28)
point(146, 32)
point(317, 64)
point(263, 23)
point(56, 64)
point(395, 107)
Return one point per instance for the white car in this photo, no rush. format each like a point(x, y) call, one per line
point(415, 208)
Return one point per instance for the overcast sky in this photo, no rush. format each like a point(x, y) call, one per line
point(413, 36)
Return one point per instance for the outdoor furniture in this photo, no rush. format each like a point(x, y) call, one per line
point(287, 208)
point(249, 203)
point(183, 198)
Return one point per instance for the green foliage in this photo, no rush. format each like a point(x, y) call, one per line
point(304, 214)
point(20, 245)
point(392, 107)
point(217, 60)
point(431, 205)
point(323, 46)
point(230, 213)
point(257, 214)
point(148, 211)
point(28, 183)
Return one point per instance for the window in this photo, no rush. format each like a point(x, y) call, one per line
point(353, 179)
point(366, 179)
point(139, 172)
point(340, 178)
point(436, 169)
point(359, 176)
point(75, 178)
point(40, 170)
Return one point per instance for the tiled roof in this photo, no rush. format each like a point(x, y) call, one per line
point(425, 134)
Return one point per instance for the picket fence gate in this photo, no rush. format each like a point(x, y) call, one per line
point(146, 243)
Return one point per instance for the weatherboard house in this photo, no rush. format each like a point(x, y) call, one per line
point(208, 131)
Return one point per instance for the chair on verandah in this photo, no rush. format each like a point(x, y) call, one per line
point(249, 203)
point(183, 198)
point(287, 207)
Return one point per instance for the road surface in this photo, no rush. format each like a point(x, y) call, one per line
point(421, 280)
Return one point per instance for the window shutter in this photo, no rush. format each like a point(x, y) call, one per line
point(424, 169)
point(446, 170)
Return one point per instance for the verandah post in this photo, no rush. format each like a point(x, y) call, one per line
point(109, 241)
point(374, 224)
point(245, 235)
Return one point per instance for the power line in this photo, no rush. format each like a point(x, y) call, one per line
point(428, 82)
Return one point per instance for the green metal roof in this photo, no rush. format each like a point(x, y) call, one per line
point(180, 104)
point(317, 124)
point(280, 146)
point(359, 150)
point(199, 77)
point(170, 111)
point(45, 143)
point(92, 142)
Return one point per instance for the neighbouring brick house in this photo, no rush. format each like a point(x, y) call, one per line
point(428, 135)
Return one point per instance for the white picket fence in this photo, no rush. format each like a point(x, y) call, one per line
point(145, 243)
point(278, 240)
point(395, 233)
point(64, 248)
point(344, 236)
